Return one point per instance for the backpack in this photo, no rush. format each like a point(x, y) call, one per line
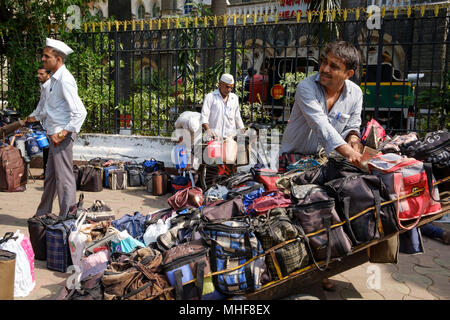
point(404, 176)
point(233, 243)
point(13, 174)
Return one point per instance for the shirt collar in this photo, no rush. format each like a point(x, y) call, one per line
point(57, 75)
point(46, 83)
point(217, 92)
point(347, 89)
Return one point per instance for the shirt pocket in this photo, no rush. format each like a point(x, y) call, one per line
point(339, 121)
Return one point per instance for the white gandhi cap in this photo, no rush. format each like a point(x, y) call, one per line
point(227, 78)
point(61, 46)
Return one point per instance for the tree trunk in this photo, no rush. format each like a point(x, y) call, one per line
point(218, 9)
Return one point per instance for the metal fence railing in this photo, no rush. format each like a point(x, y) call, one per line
point(142, 78)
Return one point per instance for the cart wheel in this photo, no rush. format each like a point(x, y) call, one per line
point(301, 297)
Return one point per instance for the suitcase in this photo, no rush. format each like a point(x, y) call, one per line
point(7, 274)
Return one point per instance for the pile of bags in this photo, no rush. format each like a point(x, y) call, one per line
point(245, 230)
point(118, 175)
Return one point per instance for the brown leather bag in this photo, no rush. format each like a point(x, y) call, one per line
point(189, 197)
point(12, 169)
point(136, 279)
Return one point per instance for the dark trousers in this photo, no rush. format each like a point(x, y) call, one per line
point(45, 156)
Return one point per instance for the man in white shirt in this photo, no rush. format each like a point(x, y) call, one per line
point(62, 117)
point(220, 116)
point(43, 76)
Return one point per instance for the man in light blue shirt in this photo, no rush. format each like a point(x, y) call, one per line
point(63, 115)
point(327, 108)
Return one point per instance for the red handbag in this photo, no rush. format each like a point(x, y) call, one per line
point(189, 197)
point(269, 200)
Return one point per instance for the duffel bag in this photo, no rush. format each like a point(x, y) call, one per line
point(315, 212)
point(234, 247)
point(136, 277)
point(216, 192)
point(267, 177)
point(274, 229)
point(186, 262)
point(37, 230)
point(224, 209)
point(249, 192)
point(134, 224)
point(237, 180)
point(354, 196)
point(333, 169)
point(403, 176)
point(433, 148)
point(91, 178)
point(58, 252)
point(269, 200)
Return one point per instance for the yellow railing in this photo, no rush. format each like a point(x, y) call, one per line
point(245, 19)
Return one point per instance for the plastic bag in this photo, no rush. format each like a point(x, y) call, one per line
point(155, 230)
point(78, 239)
point(123, 242)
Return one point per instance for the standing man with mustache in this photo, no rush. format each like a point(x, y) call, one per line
point(327, 107)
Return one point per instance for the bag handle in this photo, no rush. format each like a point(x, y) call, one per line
point(327, 225)
point(429, 172)
point(8, 236)
point(397, 184)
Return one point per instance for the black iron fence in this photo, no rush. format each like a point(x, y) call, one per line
point(141, 78)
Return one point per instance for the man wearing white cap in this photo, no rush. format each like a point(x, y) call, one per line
point(63, 115)
point(221, 116)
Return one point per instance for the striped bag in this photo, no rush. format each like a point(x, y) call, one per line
point(234, 247)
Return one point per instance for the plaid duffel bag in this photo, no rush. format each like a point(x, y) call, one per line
point(58, 252)
point(273, 230)
point(234, 247)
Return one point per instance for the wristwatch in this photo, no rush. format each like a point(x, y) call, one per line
point(61, 136)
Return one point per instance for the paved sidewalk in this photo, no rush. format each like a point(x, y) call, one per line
point(418, 277)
